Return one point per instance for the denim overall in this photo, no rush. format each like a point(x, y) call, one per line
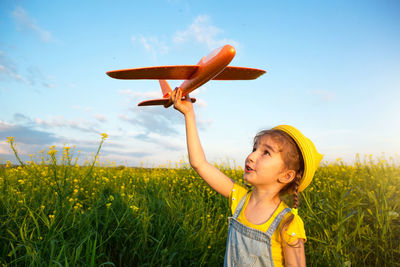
point(247, 246)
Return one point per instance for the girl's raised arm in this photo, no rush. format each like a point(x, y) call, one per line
point(214, 177)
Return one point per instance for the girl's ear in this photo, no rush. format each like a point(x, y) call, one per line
point(287, 176)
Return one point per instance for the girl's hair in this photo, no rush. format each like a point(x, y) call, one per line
point(293, 160)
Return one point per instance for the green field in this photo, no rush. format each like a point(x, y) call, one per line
point(55, 212)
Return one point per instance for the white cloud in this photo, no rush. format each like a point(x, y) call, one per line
point(26, 134)
point(9, 71)
point(200, 31)
point(136, 95)
point(26, 23)
point(166, 142)
point(100, 117)
point(4, 148)
point(61, 122)
point(123, 117)
point(57, 122)
point(32, 75)
point(152, 45)
point(200, 103)
point(4, 125)
point(154, 120)
point(203, 32)
point(48, 85)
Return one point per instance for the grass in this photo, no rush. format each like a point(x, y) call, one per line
point(55, 212)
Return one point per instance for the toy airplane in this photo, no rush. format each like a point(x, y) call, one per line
point(214, 66)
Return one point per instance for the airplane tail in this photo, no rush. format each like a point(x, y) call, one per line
point(160, 101)
point(165, 88)
point(165, 101)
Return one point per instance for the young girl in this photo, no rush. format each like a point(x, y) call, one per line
point(263, 231)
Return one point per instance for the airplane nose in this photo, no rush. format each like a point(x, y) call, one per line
point(230, 49)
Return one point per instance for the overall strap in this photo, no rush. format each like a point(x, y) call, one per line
point(276, 222)
point(239, 207)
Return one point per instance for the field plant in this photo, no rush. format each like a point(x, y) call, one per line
point(54, 212)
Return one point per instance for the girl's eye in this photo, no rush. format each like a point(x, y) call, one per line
point(266, 152)
point(254, 149)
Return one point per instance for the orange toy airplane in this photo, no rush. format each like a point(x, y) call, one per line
point(214, 66)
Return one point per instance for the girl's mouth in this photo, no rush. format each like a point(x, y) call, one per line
point(248, 169)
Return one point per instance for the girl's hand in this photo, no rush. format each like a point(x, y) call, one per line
point(184, 106)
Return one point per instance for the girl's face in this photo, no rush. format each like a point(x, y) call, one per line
point(264, 165)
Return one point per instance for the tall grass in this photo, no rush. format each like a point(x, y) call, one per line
point(54, 212)
point(351, 214)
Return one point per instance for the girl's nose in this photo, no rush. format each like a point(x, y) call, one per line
point(251, 157)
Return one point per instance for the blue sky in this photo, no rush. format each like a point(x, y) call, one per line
point(333, 71)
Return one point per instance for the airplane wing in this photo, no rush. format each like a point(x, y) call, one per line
point(184, 72)
point(239, 73)
point(159, 101)
point(181, 72)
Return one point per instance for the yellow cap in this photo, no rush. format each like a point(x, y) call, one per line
point(310, 154)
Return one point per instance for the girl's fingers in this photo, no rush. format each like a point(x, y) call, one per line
point(173, 96)
point(176, 98)
point(179, 94)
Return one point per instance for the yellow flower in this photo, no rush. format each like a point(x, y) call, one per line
point(134, 208)
point(108, 205)
point(104, 135)
point(52, 150)
point(10, 139)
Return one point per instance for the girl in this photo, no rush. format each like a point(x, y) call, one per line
point(263, 231)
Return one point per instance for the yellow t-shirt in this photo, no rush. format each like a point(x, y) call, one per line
point(294, 231)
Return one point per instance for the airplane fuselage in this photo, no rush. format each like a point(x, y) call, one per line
point(209, 67)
